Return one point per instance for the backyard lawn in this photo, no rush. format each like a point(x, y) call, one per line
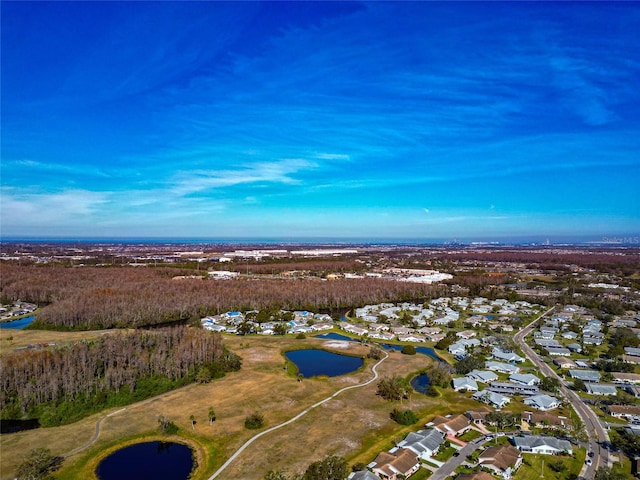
point(535, 467)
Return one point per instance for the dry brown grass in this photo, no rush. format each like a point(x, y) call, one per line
point(12, 339)
point(354, 424)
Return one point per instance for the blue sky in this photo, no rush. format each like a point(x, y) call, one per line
point(420, 120)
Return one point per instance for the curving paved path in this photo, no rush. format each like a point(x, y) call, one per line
point(301, 414)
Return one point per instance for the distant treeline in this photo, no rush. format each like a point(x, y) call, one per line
point(624, 262)
point(59, 385)
point(121, 297)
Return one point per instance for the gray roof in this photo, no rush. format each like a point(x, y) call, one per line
point(533, 441)
point(485, 376)
point(423, 440)
point(525, 378)
point(598, 389)
point(490, 397)
point(547, 343)
point(501, 366)
point(465, 382)
point(542, 402)
point(363, 475)
point(585, 375)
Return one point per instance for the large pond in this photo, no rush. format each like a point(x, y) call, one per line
point(150, 460)
point(18, 324)
point(312, 363)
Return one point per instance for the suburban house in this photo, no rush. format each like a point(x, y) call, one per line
point(564, 362)
point(501, 367)
point(478, 417)
point(524, 379)
point(628, 412)
point(424, 443)
point(484, 376)
point(475, 476)
point(508, 388)
point(542, 402)
point(466, 334)
point(633, 390)
point(391, 465)
point(456, 425)
point(500, 354)
point(558, 351)
point(542, 445)
point(575, 347)
point(585, 375)
point(411, 338)
point(628, 378)
point(363, 475)
point(491, 398)
point(465, 383)
point(347, 327)
point(503, 460)
point(545, 419)
point(601, 389)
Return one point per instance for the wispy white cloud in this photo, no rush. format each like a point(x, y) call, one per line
point(282, 172)
point(46, 209)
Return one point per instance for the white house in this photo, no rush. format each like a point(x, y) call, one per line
point(424, 443)
point(524, 378)
point(491, 398)
point(542, 402)
point(465, 383)
point(542, 445)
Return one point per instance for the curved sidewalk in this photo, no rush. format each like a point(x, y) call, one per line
point(301, 414)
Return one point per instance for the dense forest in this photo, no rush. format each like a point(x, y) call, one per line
point(58, 385)
point(120, 297)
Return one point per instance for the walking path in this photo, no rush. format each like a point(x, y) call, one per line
point(301, 414)
point(93, 439)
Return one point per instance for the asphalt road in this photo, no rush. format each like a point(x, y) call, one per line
point(454, 462)
point(595, 431)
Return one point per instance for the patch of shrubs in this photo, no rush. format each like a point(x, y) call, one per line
point(254, 421)
point(404, 417)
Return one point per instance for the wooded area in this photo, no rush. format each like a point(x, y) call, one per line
point(62, 383)
point(121, 297)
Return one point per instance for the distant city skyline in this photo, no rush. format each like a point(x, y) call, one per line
point(343, 120)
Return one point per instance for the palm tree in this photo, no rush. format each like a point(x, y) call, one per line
point(193, 421)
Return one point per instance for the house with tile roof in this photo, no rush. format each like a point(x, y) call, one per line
point(393, 466)
point(453, 425)
point(475, 476)
point(504, 460)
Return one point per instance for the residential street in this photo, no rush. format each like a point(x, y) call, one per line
point(454, 462)
point(595, 431)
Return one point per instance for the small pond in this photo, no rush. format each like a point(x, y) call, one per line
point(312, 363)
point(18, 324)
point(420, 383)
point(149, 460)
